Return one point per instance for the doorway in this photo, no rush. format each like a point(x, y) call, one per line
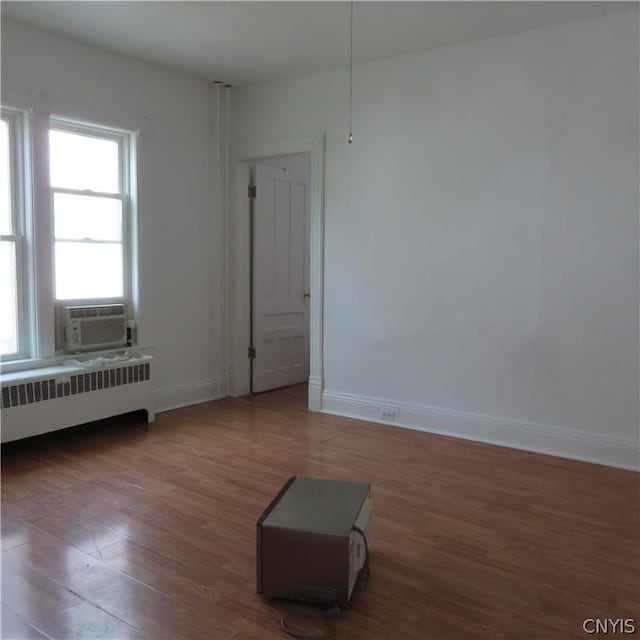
point(243, 156)
point(279, 289)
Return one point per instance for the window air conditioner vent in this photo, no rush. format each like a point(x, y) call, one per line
point(94, 327)
point(95, 311)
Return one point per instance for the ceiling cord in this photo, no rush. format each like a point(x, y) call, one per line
point(350, 70)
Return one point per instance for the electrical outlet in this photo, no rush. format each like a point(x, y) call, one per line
point(388, 414)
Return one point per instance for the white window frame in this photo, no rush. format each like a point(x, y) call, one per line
point(16, 121)
point(40, 317)
point(122, 138)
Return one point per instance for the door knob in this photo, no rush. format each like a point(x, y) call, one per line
point(307, 295)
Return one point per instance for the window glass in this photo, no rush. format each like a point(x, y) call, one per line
point(6, 226)
point(88, 270)
point(8, 298)
point(83, 162)
point(80, 217)
point(89, 251)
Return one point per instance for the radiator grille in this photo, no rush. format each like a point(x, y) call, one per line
point(49, 389)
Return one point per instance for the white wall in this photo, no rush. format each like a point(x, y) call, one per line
point(179, 292)
point(481, 248)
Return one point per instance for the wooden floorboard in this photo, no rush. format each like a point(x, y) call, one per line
point(121, 530)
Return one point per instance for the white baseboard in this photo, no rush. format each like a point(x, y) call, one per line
point(185, 394)
point(567, 443)
point(239, 380)
point(315, 393)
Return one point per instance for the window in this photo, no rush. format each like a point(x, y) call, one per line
point(65, 240)
point(88, 200)
point(12, 330)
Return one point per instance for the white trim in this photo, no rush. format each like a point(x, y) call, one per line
point(239, 279)
point(315, 394)
point(42, 225)
point(239, 272)
point(183, 395)
point(517, 434)
point(16, 125)
point(123, 141)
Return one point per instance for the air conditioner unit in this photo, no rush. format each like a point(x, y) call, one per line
point(94, 327)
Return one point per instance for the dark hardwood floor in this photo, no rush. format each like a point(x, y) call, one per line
point(119, 530)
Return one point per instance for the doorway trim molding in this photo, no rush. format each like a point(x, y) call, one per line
point(242, 157)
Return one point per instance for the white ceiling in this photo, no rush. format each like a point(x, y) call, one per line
point(246, 42)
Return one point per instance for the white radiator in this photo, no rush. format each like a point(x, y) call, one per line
point(52, 398)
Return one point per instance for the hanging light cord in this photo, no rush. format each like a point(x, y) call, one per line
point(350, 72)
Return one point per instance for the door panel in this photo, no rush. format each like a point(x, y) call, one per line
point(280, 311)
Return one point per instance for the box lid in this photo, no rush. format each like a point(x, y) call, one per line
point(316, 505)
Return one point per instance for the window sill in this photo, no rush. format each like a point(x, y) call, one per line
point(22, 369)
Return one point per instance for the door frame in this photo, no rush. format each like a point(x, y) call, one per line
point(239, 274)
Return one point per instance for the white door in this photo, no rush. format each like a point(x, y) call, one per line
point(280, 274)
